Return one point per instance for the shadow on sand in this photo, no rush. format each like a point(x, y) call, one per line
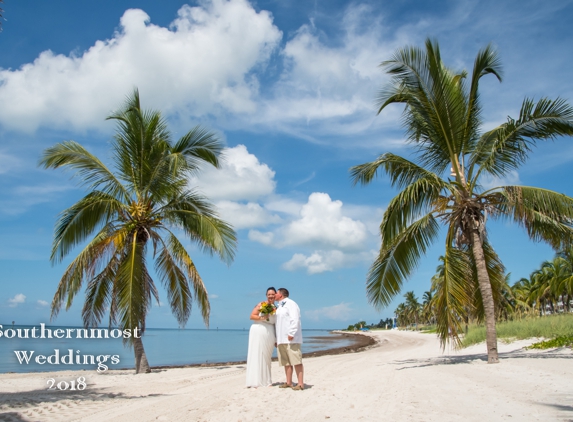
point(464, 359)
point(18, 406)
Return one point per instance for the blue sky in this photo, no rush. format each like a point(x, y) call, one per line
point(290, 87)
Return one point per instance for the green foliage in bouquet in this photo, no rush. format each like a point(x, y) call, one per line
point(267, 308)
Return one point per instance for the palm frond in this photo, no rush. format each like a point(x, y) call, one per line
point(175, 281)
point(398, 259)
point(84, 267)
point(79, 221)
point(506, 147)
point(487, 62)
point(452, 299)
point(198, 146)
point(417, 198)
point(546, 215)
point(183, 260)
point(401, 171)
point(89, 169)
point(435, 101)
point(192, 213)
point(99, 294)
point(132, 280)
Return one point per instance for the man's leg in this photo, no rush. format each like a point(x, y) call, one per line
point(299, 374)
point(288, 373)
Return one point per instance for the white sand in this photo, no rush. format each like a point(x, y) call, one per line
point(404, 378)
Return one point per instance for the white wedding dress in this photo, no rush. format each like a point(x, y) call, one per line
point(261, 345)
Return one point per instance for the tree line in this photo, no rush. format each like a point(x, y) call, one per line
point(548, 290)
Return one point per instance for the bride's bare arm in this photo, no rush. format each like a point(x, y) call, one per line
point(255, 314)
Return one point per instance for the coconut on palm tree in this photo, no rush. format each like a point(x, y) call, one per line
point(136, 214)
point(442, 117)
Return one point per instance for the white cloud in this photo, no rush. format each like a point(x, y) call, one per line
point(265, 238)
point(207, 65)
point(331, 89)
point(510, 179)
point(317, 262)
point(241, 177)
point(42, 303)
point(8, 163)
point(370, 216)
point(321, 261)
point(340, 312)
point(16, 300)
point(283, 205)
point(46, 190)
point(248, 215)
point(200, 65)
point(22, 198)
point(322, 222)
point(213, 296)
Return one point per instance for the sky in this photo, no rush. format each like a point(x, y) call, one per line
point(290, 88)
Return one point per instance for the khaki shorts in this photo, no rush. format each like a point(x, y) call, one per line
point(289, 354)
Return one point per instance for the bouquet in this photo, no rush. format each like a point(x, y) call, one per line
point(267, 309)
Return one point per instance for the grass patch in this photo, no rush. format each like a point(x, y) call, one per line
point(561, 341)
point(550, 327)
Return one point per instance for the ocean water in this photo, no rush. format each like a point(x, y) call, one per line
point(162, 347)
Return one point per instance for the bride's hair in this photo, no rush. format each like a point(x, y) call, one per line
point(272, 288)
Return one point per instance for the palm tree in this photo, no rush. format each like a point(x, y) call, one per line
point(548, 287)
point(565, 285)
point(413, 307)
point(428, 306)
point(544, 279)
point(505, 303)
point(401, 315)
point(523, 292)
point(442, 117)
point(131, 215)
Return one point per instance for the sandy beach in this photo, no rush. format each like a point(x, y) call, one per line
point(404, 377)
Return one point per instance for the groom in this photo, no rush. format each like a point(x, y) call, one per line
point(289, 338)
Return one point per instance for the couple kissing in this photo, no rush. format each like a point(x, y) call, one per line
point(276, 322)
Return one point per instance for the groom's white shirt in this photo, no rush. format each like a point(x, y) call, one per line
point(288, 322)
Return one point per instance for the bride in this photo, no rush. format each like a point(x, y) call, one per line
point(261, 342)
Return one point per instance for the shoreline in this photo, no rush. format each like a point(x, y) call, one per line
point(360, 343)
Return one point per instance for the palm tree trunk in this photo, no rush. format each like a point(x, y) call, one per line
point(141, 364)
point(487, 298)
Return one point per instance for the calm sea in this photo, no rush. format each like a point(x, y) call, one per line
point(162, 346)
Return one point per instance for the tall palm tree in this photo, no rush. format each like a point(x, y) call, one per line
point(442, 117)
point(133, 214)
